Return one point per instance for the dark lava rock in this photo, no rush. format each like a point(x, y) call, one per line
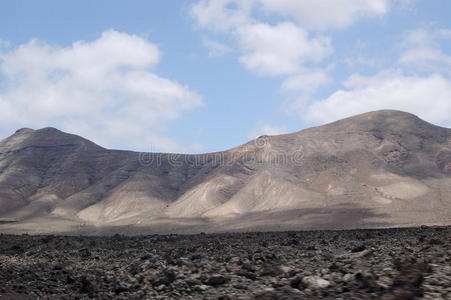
point(271, 270)
point(230, 265)
point(86, 285)
point(296, 282)
point(407, 285)
point(122, 287)
point(85, 253)
point(166, 277)
point(359, 248)
point(216, 279)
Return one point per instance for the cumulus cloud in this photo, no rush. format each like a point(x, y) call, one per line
point(421, 86)
point(104, 90)
point(306, 81)
point(290, 47)
point(428, 97)
point(421, 50)
point(265, 48)
point(280, 49)
point(300, 88)
point(283, 38)
point(327, 14)
point(262, 128)
point(222, 15)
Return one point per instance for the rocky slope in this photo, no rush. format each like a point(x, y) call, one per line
point(379, 169)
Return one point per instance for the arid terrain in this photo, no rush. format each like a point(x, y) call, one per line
point(409, 263)
point(375, 170)
point(232, 224)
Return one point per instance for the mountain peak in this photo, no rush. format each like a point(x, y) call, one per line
point(384, 115)
point(389, 112)
point(49, 130)
point(44, 137)
point(42, 131)
point(24, 130)
point(388, 121)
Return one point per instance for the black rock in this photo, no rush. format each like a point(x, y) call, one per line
point(86, 285)
point(216, 279)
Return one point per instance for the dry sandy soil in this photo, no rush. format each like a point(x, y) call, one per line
point(356, 264)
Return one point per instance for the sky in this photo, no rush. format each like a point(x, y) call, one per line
point(208, 75)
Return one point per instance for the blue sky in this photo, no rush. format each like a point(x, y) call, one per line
point(199, 76)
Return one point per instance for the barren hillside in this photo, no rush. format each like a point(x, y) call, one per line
point(379, 169)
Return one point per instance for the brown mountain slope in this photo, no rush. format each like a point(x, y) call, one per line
point(384, 168)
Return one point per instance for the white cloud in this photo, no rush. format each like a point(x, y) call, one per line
point(103, 90)
point(216, 48)
point(306, 82)
point(264, 129)
point(225, 15)
point(299, 88)
point(424, 56)
point(428, 97)
point(266, 49)
point(444, 33)
point(222, 15)
point(280, 49)
point(327, 14)
point(422, 50)
point(287, 47)
point(406, 5)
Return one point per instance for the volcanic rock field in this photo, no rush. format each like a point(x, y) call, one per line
point(410, 263)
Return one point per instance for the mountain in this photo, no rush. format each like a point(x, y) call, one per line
point(379, 169)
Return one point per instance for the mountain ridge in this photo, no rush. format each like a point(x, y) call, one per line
point(386, 168)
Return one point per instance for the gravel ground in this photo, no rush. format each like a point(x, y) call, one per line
point(357, 264)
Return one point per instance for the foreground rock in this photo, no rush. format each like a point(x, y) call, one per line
point(361, 264)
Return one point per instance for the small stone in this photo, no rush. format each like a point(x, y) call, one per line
point(86, 285)
point(240, 287)
point(334, 267)
point(216, 279)
point(362, 253)
point(84, 253)
point(200, 288)
point(166, 277)
point(285, 269)
point(135, 268)
point(315, 282)
point(271, 270)
point(246, 274)
point(122, 286)
point(160, 287)
point(249, 267)
point(358, 249)
point(294, 283)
